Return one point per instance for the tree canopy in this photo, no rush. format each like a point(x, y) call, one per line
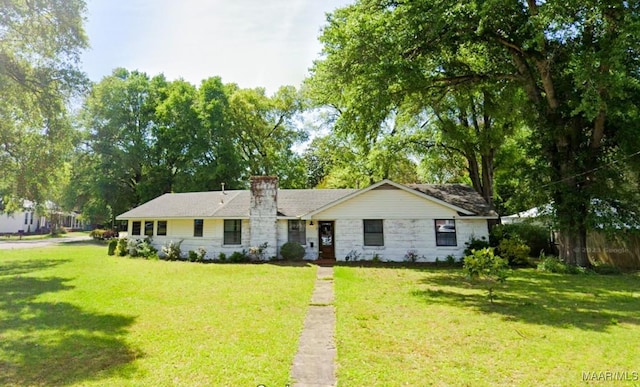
point(146, 136)
point(40, 44)
point(575, 63)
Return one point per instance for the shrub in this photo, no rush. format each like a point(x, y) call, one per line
point(475, 244)
point(172, 251)
point(376, 258)
point(484, 265)
point(145, 249)
point(121, 249)
point(97, 234)
point(256, 253)
point(113, 244)
point(197, 255)
point(551, 264)
point(239, 256)
point(222, 257)
point(100, 234)
point(514, 250)
point(353, 255)
point(411, 256)
point(451, 259)
point(535, 236)
point(607, 269)
point(109, 234)
point(132, 247)
point(141, 248)
point(292, 251)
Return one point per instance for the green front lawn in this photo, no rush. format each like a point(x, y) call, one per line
point(433, 327)
point(71, 315)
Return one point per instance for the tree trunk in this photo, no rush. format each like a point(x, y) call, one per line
point(573, 247)
point(571, 203)
point(487, 179)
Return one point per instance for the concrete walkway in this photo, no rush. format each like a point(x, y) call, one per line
point(314, 364)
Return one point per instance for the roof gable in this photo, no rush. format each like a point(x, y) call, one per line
point(457, 197)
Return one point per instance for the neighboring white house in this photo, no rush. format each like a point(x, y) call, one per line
point(386, 219)
point(29, 220)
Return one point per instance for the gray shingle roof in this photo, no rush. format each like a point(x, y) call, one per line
point(291, 202)
point(459, 195)
point(232, 204)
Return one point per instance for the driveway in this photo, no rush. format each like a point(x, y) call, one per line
point(9, 244)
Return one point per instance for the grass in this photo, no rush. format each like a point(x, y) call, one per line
point(70, 315)
point(413, 326)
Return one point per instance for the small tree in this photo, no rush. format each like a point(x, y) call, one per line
point(484, 265)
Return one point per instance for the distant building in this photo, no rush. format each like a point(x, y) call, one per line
point(29, 220)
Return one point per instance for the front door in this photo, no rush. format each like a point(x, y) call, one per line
point(327, 240)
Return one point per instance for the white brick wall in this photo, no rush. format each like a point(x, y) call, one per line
point(263, 213)
point(211, 240)
point(402, 235)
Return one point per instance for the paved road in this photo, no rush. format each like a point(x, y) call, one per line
point(10, 244)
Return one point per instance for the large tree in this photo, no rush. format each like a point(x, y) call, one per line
point(266, 129)
point(148, 136)
point(40, 45)
point(118, 116)
point(577, 62)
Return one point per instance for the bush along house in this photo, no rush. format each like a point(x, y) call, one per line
point(386, 221)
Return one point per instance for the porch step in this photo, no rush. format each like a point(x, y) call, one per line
point(325, 262)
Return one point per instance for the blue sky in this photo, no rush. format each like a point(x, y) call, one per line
point(254, 43)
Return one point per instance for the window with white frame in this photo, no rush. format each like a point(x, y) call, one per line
point(297, 231)
point(373, 232)
point(232, 231)
point(446, 232)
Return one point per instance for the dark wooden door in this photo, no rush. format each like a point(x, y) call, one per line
point(327, 240)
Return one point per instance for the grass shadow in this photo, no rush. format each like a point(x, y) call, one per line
point(54, 343)
point(87, 242)
point(589, 302)
point(9, 268)
point(418, 266)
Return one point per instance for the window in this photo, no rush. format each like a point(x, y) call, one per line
point(122, 225)
point(445, 232)
point(298, 231)
point(135, 228)
point(162, 227)
point(26, 218)
point(232, 231)
point(148, 228)
point(198, 225)
point(373, 233)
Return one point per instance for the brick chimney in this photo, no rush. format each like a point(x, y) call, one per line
point(263, 213)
